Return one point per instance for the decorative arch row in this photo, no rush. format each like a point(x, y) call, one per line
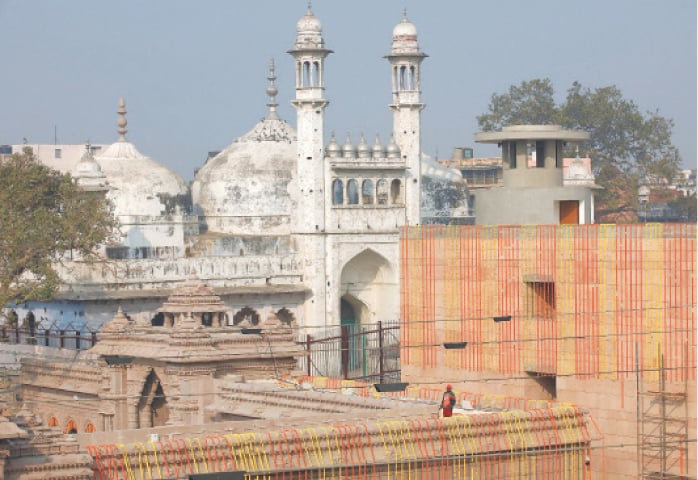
point(70, 426)
point(366, 192)
point(246, 315)
point(250, 316)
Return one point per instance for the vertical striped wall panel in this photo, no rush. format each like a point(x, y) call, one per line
point(583, 299)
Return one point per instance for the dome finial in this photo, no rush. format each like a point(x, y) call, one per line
point(272, 90)
point(122, 120)
point(404, 13)
point(310, 7)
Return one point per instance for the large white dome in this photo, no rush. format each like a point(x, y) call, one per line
point(244, 190)
point(139, 185)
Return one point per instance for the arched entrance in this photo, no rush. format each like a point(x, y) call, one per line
point(152, 406)
point(369, 294)
point(369, 284)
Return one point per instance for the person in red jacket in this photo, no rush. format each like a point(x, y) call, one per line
point(448, 401)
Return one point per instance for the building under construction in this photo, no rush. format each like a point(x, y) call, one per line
point(603, 316)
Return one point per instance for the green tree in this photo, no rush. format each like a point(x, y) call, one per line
point(529, 103)
point(627, 147)
point(44, 219)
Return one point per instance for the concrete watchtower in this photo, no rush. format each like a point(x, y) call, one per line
point(533, 191)
point(309, 53)
point(406, 59)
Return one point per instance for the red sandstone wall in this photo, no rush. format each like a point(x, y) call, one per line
point(588, 304)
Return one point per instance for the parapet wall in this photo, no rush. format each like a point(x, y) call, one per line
point(545, 443)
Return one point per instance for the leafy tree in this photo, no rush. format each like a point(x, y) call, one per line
point(529, 103)
point(44, 218)
point(626, 146)
point(685, 206)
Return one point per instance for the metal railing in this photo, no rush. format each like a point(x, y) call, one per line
point(73, 339)
point(369, 353)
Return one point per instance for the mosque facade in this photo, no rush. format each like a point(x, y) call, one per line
point(283, 221)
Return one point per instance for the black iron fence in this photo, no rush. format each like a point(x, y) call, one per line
point(73, 339)
point(369, 353)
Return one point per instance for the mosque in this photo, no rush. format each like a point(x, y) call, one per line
point(283, 221)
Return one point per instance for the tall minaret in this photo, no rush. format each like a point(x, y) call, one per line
point(309, 53)
point(405, 60)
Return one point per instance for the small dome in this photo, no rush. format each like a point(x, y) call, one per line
point(405, 37)
point(139, 186)
point(309, 23)
point(378, 148)
point(309, 32)
point(405, 30)
point(348, 149)
point(392, 150)
point(87, 166)
point(364, 150)
point(333, 149)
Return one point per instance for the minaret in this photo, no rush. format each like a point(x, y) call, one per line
point(405, 60)
point(309, 53)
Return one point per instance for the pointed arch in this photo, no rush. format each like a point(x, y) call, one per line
point(70, 427)
point(337, 192)
point(396, 192)
point(53, 421)
point(367, 192)
point(90, 428)
point(368, 282)
point(352, 192)
point(153, 409)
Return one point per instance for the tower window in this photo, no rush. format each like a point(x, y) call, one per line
point(367, 192)
point(352, 192)
point(305, 80)
point(337, 192)
point(396, 192)
point(382, 192)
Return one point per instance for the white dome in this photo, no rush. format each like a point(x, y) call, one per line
point(87, 173)
point(309, 23)
point(245, 188)
point(139, 185)
point(87, 167)
point(405, 38)
point(309, 32)
point(405, 30)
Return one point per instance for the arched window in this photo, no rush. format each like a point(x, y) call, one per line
point(403, 79)
point(53, 422)
point(90, 428)
point(382, 192)
point(306, 74)
point(413, 80)
point(396, 192)
point(337, 192)
point(315, 76)
point(71, 427)
point(246, 316)
point(207, 319)
point(352, 192)
point(367, 192)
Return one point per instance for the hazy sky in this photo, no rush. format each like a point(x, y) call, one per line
point(193, 73)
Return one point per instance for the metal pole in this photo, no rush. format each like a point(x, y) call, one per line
point(381, 368)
